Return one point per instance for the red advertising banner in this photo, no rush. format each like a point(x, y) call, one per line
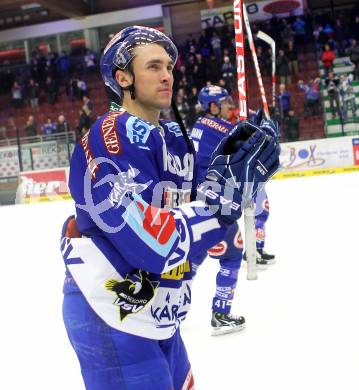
point(356, 151)
point(39, 186)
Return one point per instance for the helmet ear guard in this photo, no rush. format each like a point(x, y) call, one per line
point(119, 53)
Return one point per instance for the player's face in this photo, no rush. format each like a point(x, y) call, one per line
point(226, 106)
point(153, 68)
point(214, 109)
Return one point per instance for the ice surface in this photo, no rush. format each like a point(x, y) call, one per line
point(302, 313)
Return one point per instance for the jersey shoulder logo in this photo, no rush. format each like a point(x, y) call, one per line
point(138, 131)
point(174, 128)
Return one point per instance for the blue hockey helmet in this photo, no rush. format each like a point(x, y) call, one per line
point(119, 51)
point(212, 94)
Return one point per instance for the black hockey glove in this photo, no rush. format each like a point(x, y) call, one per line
point(238, 165)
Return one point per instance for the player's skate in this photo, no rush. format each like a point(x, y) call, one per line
point(263, 259)
point(226, 323)
point(263, 255)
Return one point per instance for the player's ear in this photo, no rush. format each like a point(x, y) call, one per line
point(123, 78)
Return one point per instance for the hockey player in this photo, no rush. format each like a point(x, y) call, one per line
point(210, 128)
point(128, 280)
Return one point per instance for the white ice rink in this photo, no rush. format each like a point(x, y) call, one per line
point(302, 314)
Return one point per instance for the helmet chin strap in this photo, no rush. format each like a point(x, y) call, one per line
point(131, 88)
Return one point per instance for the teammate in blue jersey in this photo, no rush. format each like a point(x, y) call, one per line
point(210, 128)
point(133, 179)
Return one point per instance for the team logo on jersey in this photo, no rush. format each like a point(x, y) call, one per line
point(174, 128)
point(133, 293)
point(218, 250)
point(122, 185)
point(138, 131)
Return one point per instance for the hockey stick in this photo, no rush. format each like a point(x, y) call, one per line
point(249, 227)
point(271, 42)
point(256, 65)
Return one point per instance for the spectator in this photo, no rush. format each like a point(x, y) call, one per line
point(62, 126)
point(347, 94)
point(48, 128)
point(213, 70)
point(287, 34)
point(311, 96)
point(82, 88)
point(84, 122)
point(72, 90)
point(283, 68)
point(30, 128)
point(354, 57)
point(355, 28)
point(292, 55)
point(197, 78)
point(201, 67)
point(299, 29)
point(332, 87)
point(327, 58)
point(291, 127)
point(228, 74)
point(90, 61)
point(340, 36)
point(284, 101)
point(64, 65)
point(51, 90)
point(216, 46)
point(33, 91)
point(17, 97)
point(88, 105)
point(193, 96)
point(267, 63)
point(328, 30)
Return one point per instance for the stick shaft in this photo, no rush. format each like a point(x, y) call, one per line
point(256, 65)
point(251, 251)
point(271, 42)
point(241, 75)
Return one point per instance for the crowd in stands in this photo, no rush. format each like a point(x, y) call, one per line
point(40, 82)
point(339, 40)
point(204, 60)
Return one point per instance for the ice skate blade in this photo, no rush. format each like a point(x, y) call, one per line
point(227, 329)
point(260, 267)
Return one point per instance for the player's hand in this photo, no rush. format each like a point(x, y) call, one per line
point(233, 178)
point(270, 126)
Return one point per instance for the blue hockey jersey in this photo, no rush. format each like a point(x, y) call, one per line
point(206, 134)
point(131, 182)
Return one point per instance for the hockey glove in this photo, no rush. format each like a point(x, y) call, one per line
point(236, 169)
point(270, 126)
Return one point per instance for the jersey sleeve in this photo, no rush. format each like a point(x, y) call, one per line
point(121, 195)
